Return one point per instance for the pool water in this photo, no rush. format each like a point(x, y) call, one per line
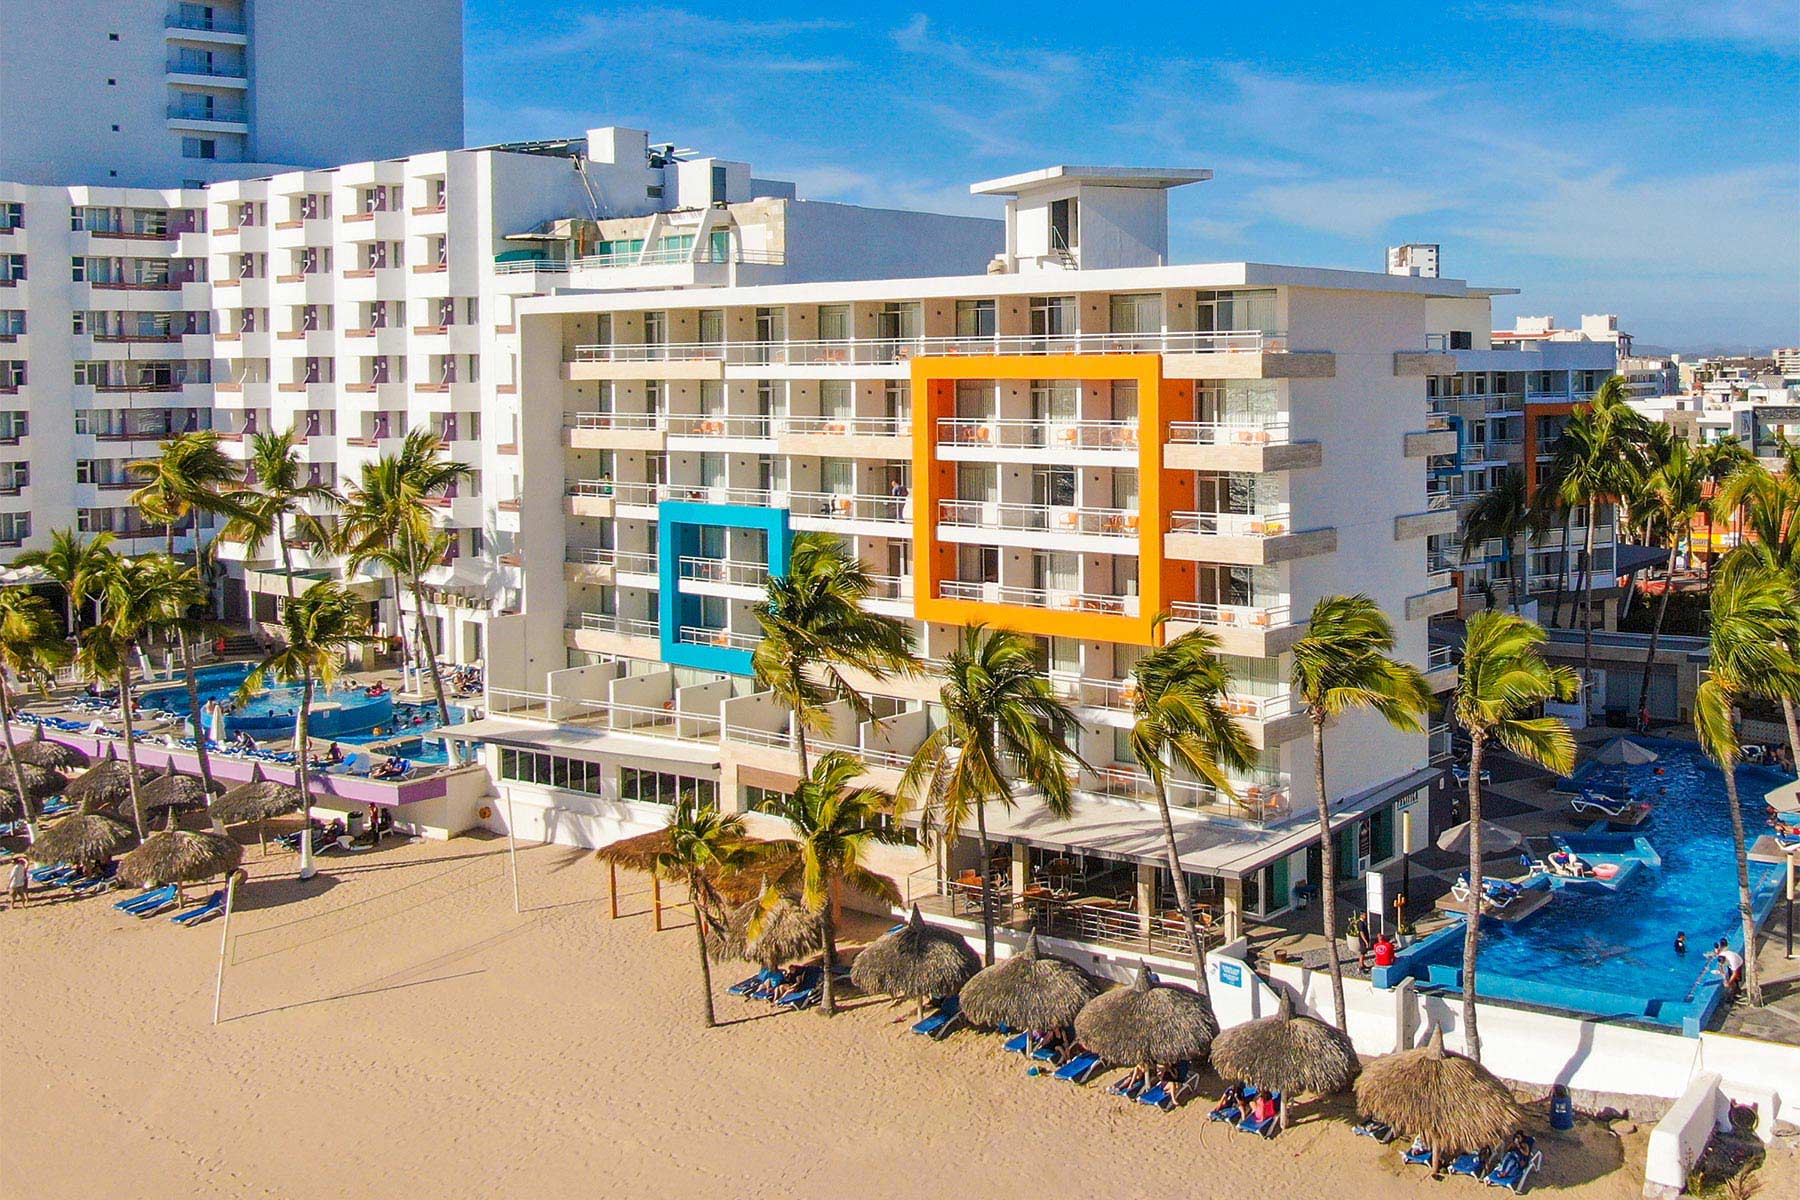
point(1612, 953)
point(343, 713)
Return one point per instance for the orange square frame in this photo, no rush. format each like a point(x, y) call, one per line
point(1160, 402)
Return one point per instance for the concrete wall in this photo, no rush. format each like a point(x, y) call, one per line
point(840, 241)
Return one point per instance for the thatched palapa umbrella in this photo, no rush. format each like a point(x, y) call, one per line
point(257, 800)
point(1286, 1054)
point(173, 791)
point(106, 784)
point(1453, 1102)
point(42, 752)
point(640, 852)
point(181, 857)
point(917, 960)
point(83, 839)
point(771, 931)
point(41, 783)
point(1147, 1024)
point(1028, 991)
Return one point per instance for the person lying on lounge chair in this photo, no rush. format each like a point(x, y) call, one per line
point(793, 981)
point(1261, 1108)
point(1129, 1084)
point(1054, 1041)
point(1231, 1104)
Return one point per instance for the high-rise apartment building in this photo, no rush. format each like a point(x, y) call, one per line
point(166, 93)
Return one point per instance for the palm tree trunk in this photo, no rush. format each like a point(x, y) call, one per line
point(1183, 899)
point(1752, 985)
point(1515, 582)
point(987, 886)
point(796, 672)
point(1587, 607)
point(1562, 572)
point(706, 989)
point(828, 936)
point(1472, 926)
point(1793, 730)
point(1327, 874)
point(27, 805)
point(1662, 607)
point(430, 653)
point(302, 738)
point(137, 808)
point(187, 673)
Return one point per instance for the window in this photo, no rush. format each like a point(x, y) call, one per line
point(13, 425)
point(656, 328)
point(551, 770)
point(1462, 339)
point(975, 318)
point(14, 528)
point(14, 477)
point(1137, 314)
point(718, 185)
point(12, 214)
point(205, 148)
point(834, 322)
point(12, 266)
point(1053, 316)
point(761, 799)
point(658, 787)
point(12, 322)
point(12, 373)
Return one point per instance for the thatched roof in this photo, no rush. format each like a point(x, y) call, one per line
point(173, 790)
point(40, 782)
point(1028, 991)
point(179, 856)
point(1146, 1023)
point(82, 839)
point(1287, 1054)
point(1455, 1103)
point(42, 752)
point(639, 853)
point(784, 931)
point(257, 800)
point(917, 960)
point(106, 782)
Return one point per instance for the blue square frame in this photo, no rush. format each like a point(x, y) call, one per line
point(678, 525)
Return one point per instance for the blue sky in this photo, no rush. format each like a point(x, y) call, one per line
point(1633, 156)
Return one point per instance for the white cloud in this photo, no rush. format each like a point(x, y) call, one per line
point(1770, 24)
point(1358, 208)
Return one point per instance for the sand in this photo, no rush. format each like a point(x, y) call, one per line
point(393, 1029)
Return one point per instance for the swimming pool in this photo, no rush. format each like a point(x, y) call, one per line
point(1611, 953)
point(338, 713)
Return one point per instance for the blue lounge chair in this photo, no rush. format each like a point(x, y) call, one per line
point(1269, 1125)
point(746, 986)
point(1079, 1069)
point(938, 1025)
point(160, 905)
point(46, 874)
point(1130, 1091)
point(1230, 1112)
point(1418, 1158)
point(215, 904)
point(1019, 1043)
point(1166, 1094)
point(142, 898)
point(1468, 1163)
point(1369, 1127)
point(1513, 1169)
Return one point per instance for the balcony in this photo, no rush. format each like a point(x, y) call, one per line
point(1015, 521)
point(1052, 599)
point(208, 118)
point(618, 431)
point(1243, 539)
point(721, 639)
point(1266, 797)
point(608, 633)
point(1101, 442)
point(1249, 630)
point(1440, 668)
point(591, 498)
point(722, 576)
point(700, 493)
point(1255, 446)
point(204, 71)
point(846, 437)
point(1440, 594)
point(829, 510)
point(720, 427)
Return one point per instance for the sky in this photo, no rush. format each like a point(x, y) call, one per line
point(1640, 157)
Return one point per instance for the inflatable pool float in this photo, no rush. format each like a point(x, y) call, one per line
point(1606, 871)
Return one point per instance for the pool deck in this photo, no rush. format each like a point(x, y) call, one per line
point(1518, 910)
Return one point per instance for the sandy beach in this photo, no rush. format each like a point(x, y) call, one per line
point(394, 1029)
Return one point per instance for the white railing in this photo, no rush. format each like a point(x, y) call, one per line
point(614, 623)
point(1440, 657)
point(638, 494)
point(1032, 597)
point(881, 351)
point(850, 506)
point(1272, 523)
point(702, 569)
point(1269, 431)
point(650, 422)
point(1260, 708)
point(629, 561)
point(1266, 796)
point(1437, 499)
point(847, 426)
point(981, 433)
point(891, 587)
point(677, 256)
point(700, 425)
point(1233, 616)
point(643, 721)
point(726, 639)
point(700, 493)
point(1116, 694)
point(980, 514)
point(525, 266)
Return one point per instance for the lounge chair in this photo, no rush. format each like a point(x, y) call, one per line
point(806, 997)
point(1234, 1111)
point(161, 905)
point(1079, 1069)
point(1513, 1169)
point(1269, 1125)
point(745, 987)
point(1369, 1127)
point(1495, 893)
point(1167, 1093)
point(145, 899)
point(940, 1023)
point(1018, 1043)
point(43, 875)
point(215, 904)
point(1461, 775)
point(1418, 1158)
point(1129, 1090)
point(1469, 1163)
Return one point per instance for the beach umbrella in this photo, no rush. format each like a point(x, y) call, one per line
point(1147, 1024)
point(257, 800)
point(106, 783)
point(217, 732)
point(785, 931)
point(1453, 1102)
point(1028, 991)
point(640, 853)
point(1286, 1054)
point(41, 783)
point(83, 839)
point(179, 856)
point(1495, 839)
point(1623, 752)
point(916, 960)
point(42, 752)
point(173, 791)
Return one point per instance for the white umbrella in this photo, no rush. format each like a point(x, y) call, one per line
point(1495, 839)
point(218, 722)
point(1624, 752)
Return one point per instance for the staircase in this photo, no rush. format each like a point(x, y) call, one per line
point(238, 645)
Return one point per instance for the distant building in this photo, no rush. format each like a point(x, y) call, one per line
point(1787, 360)
point(1647, 377)
point(1595, 327)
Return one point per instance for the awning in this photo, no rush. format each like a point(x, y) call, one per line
point(1628, 558)
point(575, 742)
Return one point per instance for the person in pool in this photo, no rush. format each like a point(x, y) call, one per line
point(1681, 942)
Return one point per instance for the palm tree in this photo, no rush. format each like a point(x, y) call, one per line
point(1673, 493)
point(1752, 618)
point(138, 597)
point(387, 518)
point(1505, 513)
point(1503, 677)
point(277, 500)
point(1178, 721)
point(31, 648)
point(815, 628)
point(192, 476)
point(1769, 505)
point(72, 561)
point(1004, 727)
point(319, 628)
point(1343, 663)
point(834, 827)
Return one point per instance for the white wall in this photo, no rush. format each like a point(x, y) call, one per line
point(841, 241)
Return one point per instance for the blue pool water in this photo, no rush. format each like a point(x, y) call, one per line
point(1611, 953)
point(342, 713)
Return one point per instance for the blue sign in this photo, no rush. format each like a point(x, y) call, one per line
point(1231, 974)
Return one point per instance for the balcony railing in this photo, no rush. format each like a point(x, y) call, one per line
point(208, 67)
point(981, 433)
point(631, 562)
point(204, 112)
point(850, 506)
point(847, 426)
point(723, 639)
point(1107, 923)
point(656, 257)
point(1064, 600)
point(1233, 616)
point(979, 514)
point(614, 623)
point(698, 425)
point(891, 587)
point(701, 493)
point(1272, 523)
point(1258, 799)
point(527, 266)
point(1440, 657)
point(881, 351)
point(628, 422)
point(1267, 431)
point(735, 572)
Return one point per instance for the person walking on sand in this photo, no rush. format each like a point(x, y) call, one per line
point(18, 884)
